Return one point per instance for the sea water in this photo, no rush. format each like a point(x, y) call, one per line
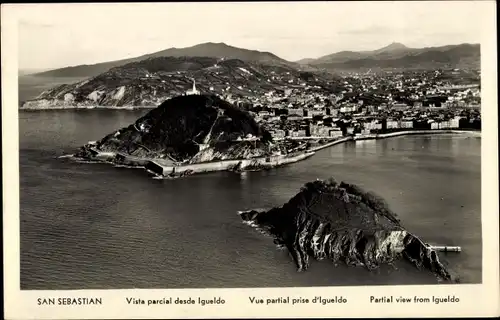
point(95, 226)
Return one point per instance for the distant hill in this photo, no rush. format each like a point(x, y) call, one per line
point(392, 48)
point(150, 81)
point(344, 56)
point(397, 55)
point(25, 72)
point(305, 61)
point(220, 50)
point(209, 49)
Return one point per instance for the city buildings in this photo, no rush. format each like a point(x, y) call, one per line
point(373, 103)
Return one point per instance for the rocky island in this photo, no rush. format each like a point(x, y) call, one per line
point(341, 222)
point(189, 134)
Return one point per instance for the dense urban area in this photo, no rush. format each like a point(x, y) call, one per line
point(371, 104)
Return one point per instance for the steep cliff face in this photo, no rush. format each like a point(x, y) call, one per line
point(341, 222)
point(232, 150)
point(194, 128)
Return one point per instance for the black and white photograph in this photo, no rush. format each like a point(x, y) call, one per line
point(251, 145)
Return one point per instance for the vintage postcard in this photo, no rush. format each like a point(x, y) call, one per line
point(250, 159)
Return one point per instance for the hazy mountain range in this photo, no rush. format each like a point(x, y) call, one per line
point(209, 49)
point(395, 55)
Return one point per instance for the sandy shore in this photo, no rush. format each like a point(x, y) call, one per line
point(394, 134)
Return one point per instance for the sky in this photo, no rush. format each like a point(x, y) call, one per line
point(59, 35)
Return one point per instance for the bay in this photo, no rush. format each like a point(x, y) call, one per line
point(94, 226)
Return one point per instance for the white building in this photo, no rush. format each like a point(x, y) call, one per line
point(348, 109)
point(296, 111)
point(335, 133)
point(279, 133)
point(444, 125)
point(455, 122)
point(373, 125)
point(406, 124)
point(399, 106)
point(316, 113)
point(319, 131)
point(298, 133)
point(193, 91)
point(392, 124)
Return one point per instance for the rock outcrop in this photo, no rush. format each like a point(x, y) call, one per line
point(341, 222)
point(188, 129)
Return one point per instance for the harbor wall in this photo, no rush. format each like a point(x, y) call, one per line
point(263, 162)
point(329, 144)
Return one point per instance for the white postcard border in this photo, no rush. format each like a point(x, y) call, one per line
point(475, 300)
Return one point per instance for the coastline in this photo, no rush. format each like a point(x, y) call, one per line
point(378, 136)
point(162, 170)
point(58, 108)
point(237, 165)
